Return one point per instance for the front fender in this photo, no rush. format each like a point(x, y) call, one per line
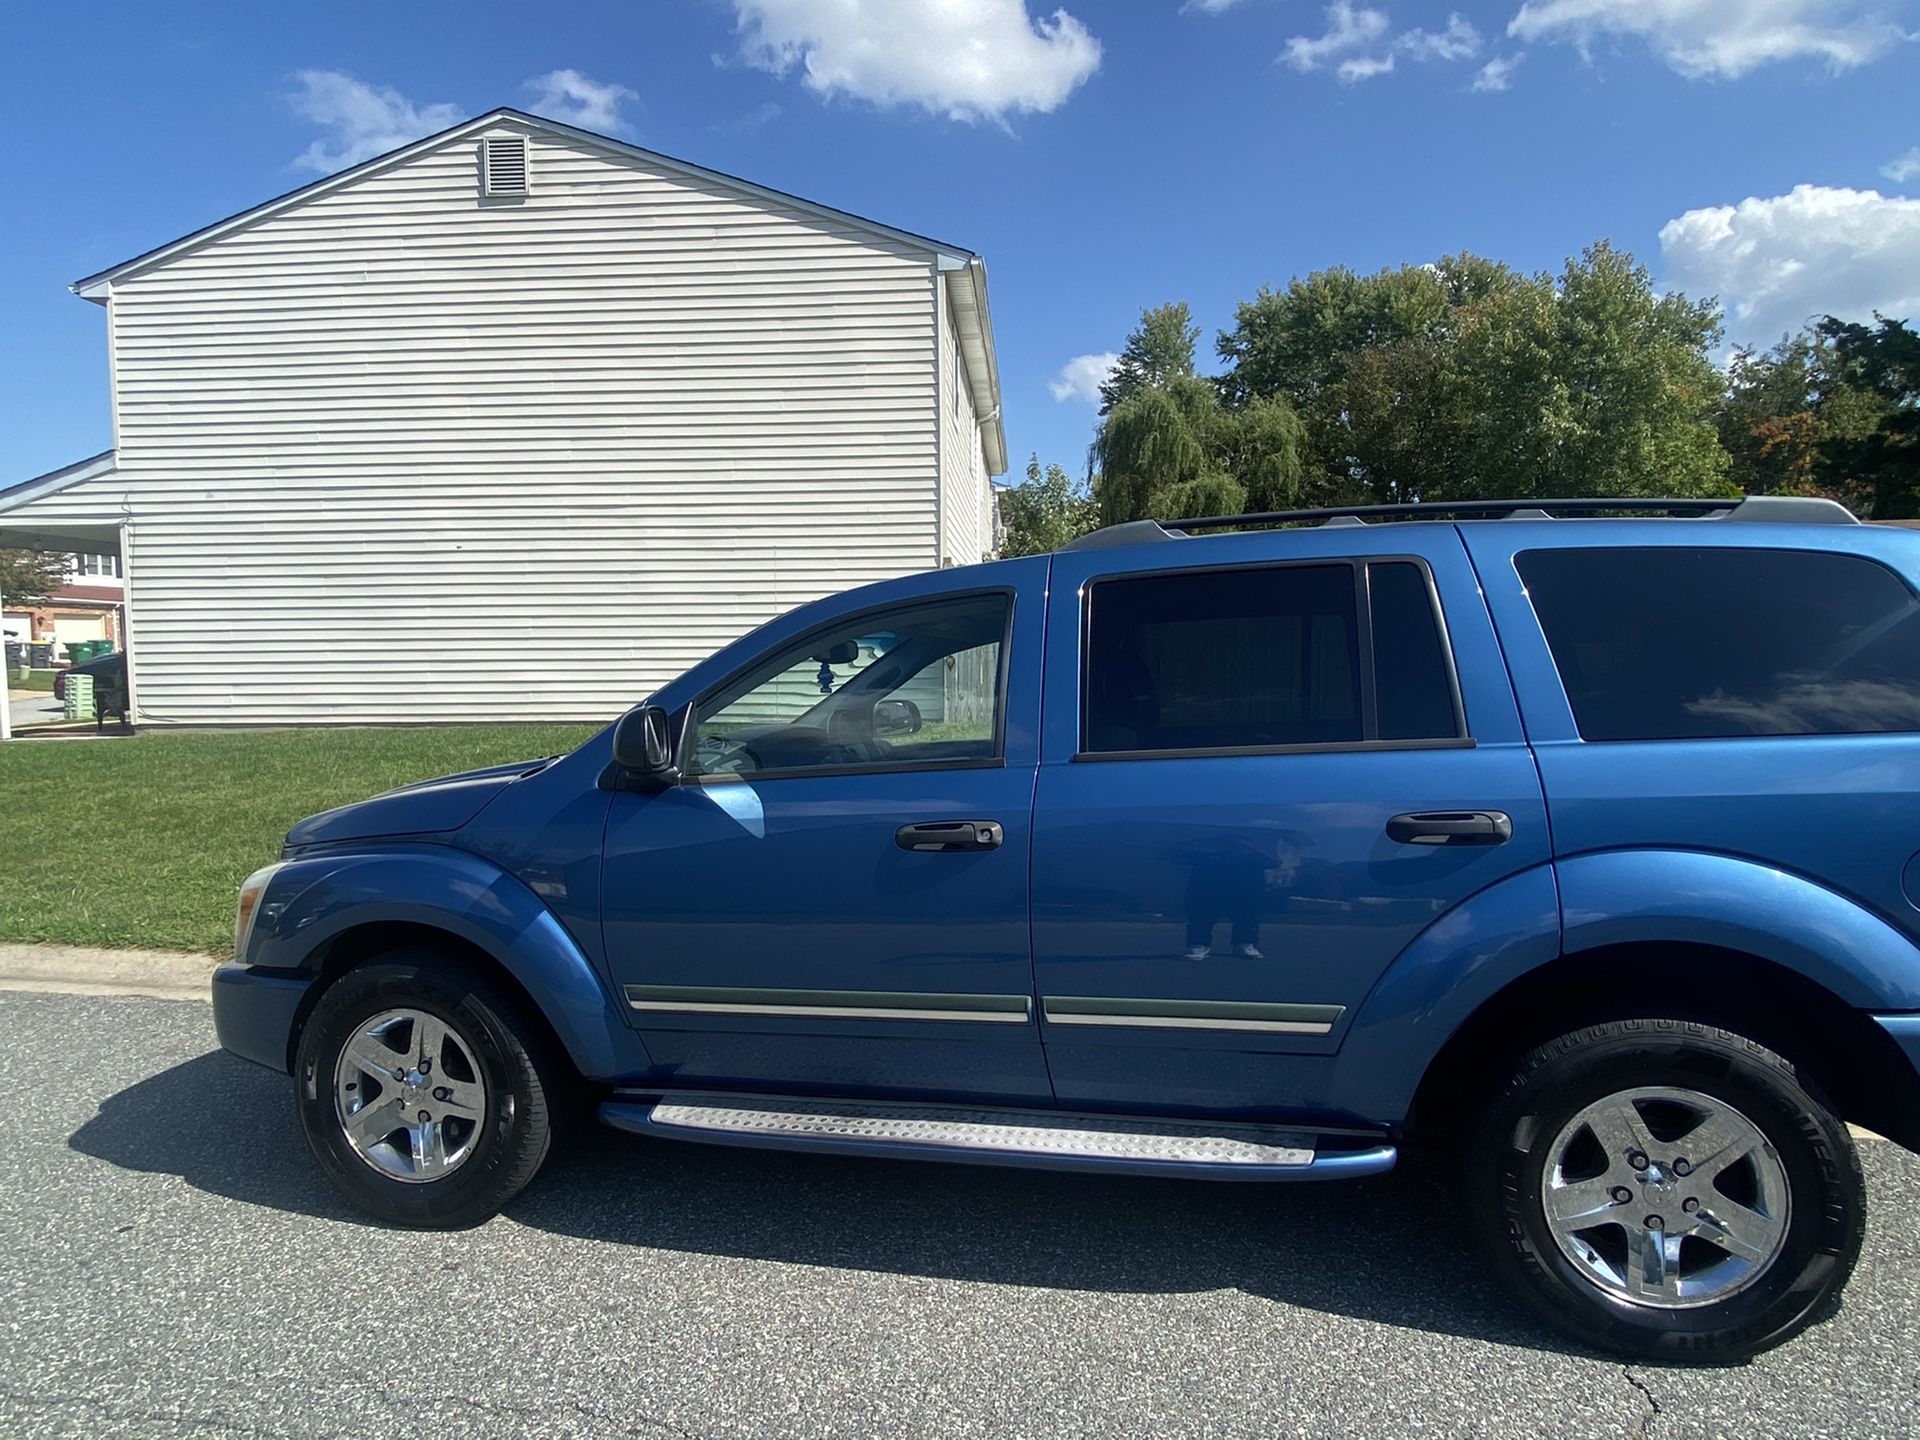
point(1622, 896)
point(314, 899)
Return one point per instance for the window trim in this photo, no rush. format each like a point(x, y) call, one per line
point(997, 761)
point(1361, 568)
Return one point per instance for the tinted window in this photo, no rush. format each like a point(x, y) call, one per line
point(1234, 659)
point(1688, 643)
point(919, 686)
point(1413, 681)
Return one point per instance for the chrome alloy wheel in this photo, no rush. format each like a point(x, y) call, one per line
point(409, 1095)
point(1666, 1197)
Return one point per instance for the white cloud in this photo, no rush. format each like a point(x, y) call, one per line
point(1207, 7)
point(1359, 44)
point(573, 99)
point(1459, 41)
point(1497, 74)
point(1349, 28)
point(1080, 378)
point(1721, 38)
point(1778, 260)
point(362, 120)
point(1903, 168)
point(1356, 68)
point(977, 61)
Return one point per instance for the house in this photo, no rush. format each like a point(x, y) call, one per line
point(86, 607)
point(515, 423)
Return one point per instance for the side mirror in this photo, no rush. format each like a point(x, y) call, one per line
point(896, 717)
point(643, 744)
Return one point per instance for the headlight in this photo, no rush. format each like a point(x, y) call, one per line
point(251, 889)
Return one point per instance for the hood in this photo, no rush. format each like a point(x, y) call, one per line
point(431, 807)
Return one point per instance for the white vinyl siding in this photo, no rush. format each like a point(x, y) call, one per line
point(400, 452)
point(966, 526)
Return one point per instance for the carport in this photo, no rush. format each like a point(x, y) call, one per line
point(63, 535)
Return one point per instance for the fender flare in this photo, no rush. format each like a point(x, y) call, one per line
point(1530, 919)
point(314, 899)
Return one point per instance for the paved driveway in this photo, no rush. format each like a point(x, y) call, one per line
point(170, 1261)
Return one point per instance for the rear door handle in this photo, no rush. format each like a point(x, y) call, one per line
point(1451, 827)
point(938, 835)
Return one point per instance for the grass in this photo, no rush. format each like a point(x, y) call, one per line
point(41, 680)
point(143, 841)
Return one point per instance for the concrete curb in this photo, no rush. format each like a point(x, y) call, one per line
point(88, 970)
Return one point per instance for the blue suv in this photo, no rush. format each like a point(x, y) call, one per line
point(1577, 840)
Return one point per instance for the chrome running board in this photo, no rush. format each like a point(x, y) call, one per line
point(985, 1135)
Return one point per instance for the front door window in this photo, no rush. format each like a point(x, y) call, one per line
point(917, 687)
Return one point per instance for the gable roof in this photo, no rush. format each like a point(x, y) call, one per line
point(93, 287)
point(25, 492)
point(963, 265)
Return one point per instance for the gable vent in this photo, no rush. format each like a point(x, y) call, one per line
point(503, 166)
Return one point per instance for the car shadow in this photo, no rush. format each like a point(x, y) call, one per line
point(1388, 1250)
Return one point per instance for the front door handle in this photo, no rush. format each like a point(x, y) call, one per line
point(1451, 827)
point(938, 835)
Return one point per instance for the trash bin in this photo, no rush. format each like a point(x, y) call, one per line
point(79, 697)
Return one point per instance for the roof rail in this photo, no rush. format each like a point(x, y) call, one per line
point(1771, 509)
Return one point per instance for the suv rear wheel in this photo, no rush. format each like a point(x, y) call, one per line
point(1666, 1189)
point(422, 1092)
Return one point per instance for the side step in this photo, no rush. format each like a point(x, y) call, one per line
point(985, 1136)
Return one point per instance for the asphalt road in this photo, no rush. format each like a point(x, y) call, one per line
point(171, 1261)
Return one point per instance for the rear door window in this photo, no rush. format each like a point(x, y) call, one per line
point(1254, 659)
point(1686, 643)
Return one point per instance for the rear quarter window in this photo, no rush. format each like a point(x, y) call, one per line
point(1697, 643)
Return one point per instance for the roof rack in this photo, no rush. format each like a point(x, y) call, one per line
point(1771, 509)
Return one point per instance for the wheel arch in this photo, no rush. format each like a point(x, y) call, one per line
point(323, 916)
point(1836, 1047)
point(1576, 940)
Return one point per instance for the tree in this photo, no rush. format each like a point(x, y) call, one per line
point(1468, 379)
point(1172, 450)
point(1045, 513)
point(1883, 360)
point(1156, 354)
point(29, 576)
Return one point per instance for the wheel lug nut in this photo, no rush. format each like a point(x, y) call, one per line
point(424, 1117)
point(1654, 1222)
point(1621, 1194)
point(1682, 1167)
point(1689, 1205)
point(1636, 1159)
point(442, 1094)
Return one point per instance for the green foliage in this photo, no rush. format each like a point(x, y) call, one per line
point(1882, 360)
point(1789, 416)
point(1045, 513)
point(1176, 450)
point(1467, 379)
point(29, 576)
point(1159, 352)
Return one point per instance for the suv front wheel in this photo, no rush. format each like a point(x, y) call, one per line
point(1667, 1189)
point(423, 1093)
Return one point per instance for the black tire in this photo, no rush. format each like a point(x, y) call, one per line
point(1507, 1173)
point(503, 1151)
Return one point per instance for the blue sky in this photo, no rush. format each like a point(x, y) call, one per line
point(1102, 158)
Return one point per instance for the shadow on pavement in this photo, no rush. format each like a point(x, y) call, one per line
point(1388, 1250)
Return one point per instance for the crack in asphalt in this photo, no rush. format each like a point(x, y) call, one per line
point(1645, 1424)
point(107, 1410)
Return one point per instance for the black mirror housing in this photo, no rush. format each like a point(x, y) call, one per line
point(896, 717)
point(643, 745)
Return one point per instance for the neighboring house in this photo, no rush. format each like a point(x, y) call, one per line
point(86, 607)
point(516, 422)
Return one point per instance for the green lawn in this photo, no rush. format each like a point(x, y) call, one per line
point(143, 841)
point(41, 680)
